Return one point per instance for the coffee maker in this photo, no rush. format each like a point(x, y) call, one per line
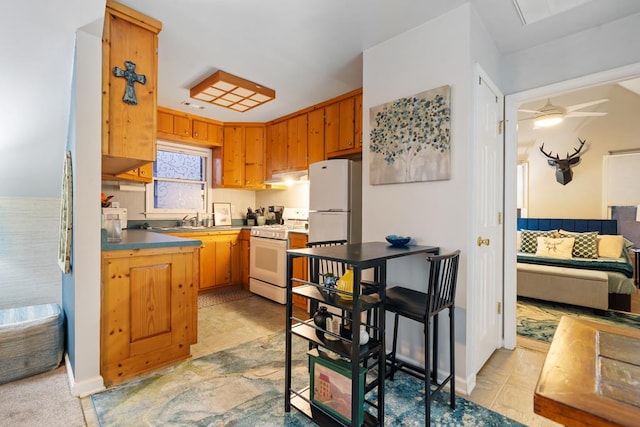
point(277, 213)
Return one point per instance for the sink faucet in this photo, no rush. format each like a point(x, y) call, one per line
point(190, 221)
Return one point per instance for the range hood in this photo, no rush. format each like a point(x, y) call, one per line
point(288, 178)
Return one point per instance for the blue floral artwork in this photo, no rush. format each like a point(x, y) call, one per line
point(410, 138)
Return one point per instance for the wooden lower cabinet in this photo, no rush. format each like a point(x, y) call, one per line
point(220, 257)
point(300, 265)
point(149, 314)
point(245, 248)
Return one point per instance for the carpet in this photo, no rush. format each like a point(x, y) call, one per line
point(244, 386)
point(220, 297)
point(40, 400)
point(539, 319)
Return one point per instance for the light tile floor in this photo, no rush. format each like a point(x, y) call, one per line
point(505, 384)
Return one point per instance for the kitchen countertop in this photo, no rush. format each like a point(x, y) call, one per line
point(143, 239)
point(197, 229)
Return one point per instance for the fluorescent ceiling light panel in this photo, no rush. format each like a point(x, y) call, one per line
point(226, 90)
point(531, 11)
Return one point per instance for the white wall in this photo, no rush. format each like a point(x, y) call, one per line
point(438, 212)
point(28, 247)
point(81, 288)
point(618, 130)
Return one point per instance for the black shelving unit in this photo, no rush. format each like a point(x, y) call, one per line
point(359, 257)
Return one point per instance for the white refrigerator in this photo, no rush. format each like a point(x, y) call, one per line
point(335, 200)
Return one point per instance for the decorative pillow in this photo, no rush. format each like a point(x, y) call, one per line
point(529, 243)
point(551, 247)
point(586, 244)
point(518, 240)
point(610, 246)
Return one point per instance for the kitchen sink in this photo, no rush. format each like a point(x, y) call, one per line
point(180, 227)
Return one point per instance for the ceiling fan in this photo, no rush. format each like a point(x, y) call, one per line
point(549, 114)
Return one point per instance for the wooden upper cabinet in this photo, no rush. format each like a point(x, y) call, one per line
point(315, 136)
point(165, 122)
point(357, 129)
point(297, 142)
point(278, 147)
point(182, 126)
point(129, 52)
point(254, 165)
point(194, 130)
point(233, 157)
point(332, 128)
point(346, 140)
point(343, 127)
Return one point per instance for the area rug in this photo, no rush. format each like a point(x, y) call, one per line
point(244, 386)
point(220, 297)
point(539, 319)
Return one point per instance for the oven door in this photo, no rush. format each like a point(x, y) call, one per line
point(267, 261)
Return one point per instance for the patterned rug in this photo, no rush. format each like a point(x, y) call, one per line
point(539, 319)
point(243, 386)
point(220, 297)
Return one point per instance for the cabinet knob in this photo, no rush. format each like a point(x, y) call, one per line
point(195, 134)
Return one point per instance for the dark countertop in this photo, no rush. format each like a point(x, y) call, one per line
point(197, 229)
point(143, 239)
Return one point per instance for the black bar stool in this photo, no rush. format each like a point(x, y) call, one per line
point(423, 307)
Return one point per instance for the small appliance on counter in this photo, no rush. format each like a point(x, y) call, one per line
point(277, 213)
point(116, 213)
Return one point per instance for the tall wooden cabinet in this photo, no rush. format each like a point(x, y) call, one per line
point(129, 88)
point(315, 138)
point(239, 163)
point(343, 127)
point(254, 139)
point(149, 309)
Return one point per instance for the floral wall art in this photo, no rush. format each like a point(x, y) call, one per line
point(410, 138)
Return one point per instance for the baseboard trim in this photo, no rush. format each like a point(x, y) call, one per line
point(83, 388)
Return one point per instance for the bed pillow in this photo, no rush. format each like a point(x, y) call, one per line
point(529, 244)
point(555, 247)
point(610, 246)
point(586, 244)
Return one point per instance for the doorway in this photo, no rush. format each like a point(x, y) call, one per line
point(512, 103)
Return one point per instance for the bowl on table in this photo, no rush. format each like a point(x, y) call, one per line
point(398, 241)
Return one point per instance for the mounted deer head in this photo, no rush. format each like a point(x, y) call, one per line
point(563, 166)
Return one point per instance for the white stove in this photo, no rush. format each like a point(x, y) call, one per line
point(275, 231)
point(293, 218)
point(268, 254)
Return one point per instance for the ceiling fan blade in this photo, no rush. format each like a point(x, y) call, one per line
point(584, 105)
point(530, 111)
point(526, 118)
point(585, 114)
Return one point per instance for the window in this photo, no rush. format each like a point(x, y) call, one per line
point(180, 180)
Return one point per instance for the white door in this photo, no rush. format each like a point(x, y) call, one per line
point(487, 291)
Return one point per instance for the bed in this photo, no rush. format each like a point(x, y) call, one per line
point(566, 268)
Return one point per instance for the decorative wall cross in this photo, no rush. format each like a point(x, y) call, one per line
point(130, 74)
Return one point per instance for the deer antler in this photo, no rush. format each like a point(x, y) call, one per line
point(576, 150)
point(549, 154)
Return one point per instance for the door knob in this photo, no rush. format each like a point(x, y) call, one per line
point(482, 241)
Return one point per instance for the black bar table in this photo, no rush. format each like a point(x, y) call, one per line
point(360, 257)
